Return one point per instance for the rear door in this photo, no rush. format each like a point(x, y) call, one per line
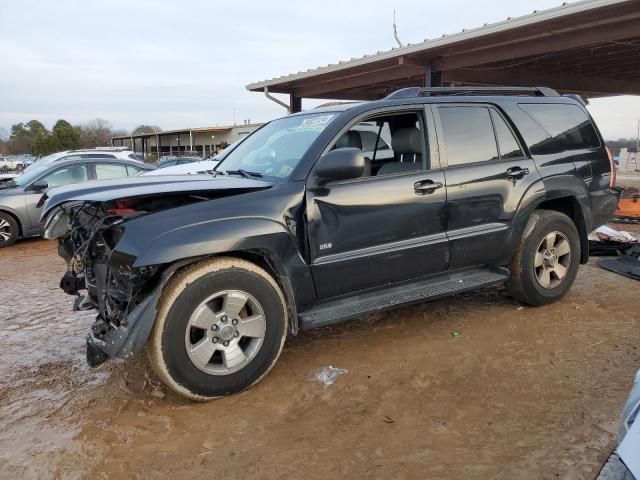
point(487, 174)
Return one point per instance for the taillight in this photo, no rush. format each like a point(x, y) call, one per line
point(123, 207)
point(612, 164)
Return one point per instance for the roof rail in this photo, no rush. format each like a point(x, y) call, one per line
point(479, 91)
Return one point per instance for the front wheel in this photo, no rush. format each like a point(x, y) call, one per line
point(220, 328)
point(547, 259)
point(8, 230)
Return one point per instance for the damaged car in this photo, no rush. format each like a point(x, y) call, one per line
point(302, 226)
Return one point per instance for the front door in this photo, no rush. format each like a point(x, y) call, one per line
point(387, 226)
point(64, 175)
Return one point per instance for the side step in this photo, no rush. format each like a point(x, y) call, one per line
point(372, 301)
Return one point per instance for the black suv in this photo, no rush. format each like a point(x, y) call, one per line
point(302, 226)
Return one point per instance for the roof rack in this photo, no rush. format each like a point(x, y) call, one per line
point(480, 91)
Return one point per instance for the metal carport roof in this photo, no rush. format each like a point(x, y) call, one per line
point(590, 47)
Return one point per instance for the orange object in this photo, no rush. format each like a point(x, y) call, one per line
point(629, 204)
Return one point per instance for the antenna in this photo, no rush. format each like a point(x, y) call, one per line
point(395, 30)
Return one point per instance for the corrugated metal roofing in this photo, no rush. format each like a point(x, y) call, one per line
point(428, 44)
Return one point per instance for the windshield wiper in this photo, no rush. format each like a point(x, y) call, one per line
point(244, 173)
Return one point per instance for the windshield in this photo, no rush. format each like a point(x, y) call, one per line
point(42, 161)
point(276, 149)
point(28, 176)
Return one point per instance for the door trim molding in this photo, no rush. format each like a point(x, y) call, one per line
point(476, 230)
point(382, 249)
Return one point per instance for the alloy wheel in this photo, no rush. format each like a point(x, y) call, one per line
point(552, 260)
point(5, 231)
point(225, 332)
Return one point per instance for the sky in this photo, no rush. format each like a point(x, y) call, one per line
point(180, 64)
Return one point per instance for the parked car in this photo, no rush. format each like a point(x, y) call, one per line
point(8, 164)
point(206, 166)
point(20, 196)
point(298, 228)
point(171, 162)
point(95, 153)
point(5, 177)
point(624, 462)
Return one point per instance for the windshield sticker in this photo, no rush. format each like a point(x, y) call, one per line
point(285, 171)
point(312, 122)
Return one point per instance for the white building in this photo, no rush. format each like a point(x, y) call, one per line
point(203, 140)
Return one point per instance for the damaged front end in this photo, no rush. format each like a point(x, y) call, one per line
point(103, 279)
point(101, 235)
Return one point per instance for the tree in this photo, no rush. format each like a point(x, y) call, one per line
point(43, 144)
point(96, 133)
point(64, 136)
point(140, 129)
point(23, 136)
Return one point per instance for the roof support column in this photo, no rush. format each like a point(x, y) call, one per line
point(295, 103)
point(191, 140)
point(432, 78)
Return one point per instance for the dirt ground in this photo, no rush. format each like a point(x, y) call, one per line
point(520, 393)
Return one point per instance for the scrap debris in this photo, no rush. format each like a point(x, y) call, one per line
point(607, 241)
point(327, 375)
point(628, 206)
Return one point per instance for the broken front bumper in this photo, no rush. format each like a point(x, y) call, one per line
point(106, 341)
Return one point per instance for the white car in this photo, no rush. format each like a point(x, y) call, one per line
point(196, 168)
point(193, 168)
point(89, 153)
point(10, 163)
point(5, 177)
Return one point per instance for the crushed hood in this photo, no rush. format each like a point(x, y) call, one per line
point(141, 186)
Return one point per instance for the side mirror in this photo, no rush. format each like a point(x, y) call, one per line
point(39, 186)
point(341, 164)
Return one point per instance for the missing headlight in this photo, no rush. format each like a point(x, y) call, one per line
point(57, 225)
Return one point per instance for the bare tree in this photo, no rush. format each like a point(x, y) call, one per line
point(96, 133)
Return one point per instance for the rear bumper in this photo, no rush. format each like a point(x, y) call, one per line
point(603, 205)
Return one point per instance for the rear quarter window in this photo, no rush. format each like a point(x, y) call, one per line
point(567, 127)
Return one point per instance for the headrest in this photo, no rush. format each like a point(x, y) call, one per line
point(350, 139)
point(407, 140)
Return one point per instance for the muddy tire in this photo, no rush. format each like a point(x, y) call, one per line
point(547, 259)
point(220, 327)
point(9, 230)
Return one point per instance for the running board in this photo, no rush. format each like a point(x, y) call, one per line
point(336, 311)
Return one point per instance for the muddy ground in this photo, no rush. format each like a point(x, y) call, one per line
point(520, 393)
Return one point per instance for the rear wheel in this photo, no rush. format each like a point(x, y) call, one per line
point(547, 258)
point(8, 230)
point(220, 327)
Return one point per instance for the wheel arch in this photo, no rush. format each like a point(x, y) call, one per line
point(271, 264)
point(571, 207)
point(566, 194)
point(265, 242)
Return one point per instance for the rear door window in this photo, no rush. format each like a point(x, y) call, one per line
point(568, 126)
point(106, 171)
point(468, 134)
point(132, 171)
point(507, 143)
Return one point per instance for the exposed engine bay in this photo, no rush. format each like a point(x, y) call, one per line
point(102, 279)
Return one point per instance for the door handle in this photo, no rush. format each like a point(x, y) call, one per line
point(426, 187)
point(517, 172)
